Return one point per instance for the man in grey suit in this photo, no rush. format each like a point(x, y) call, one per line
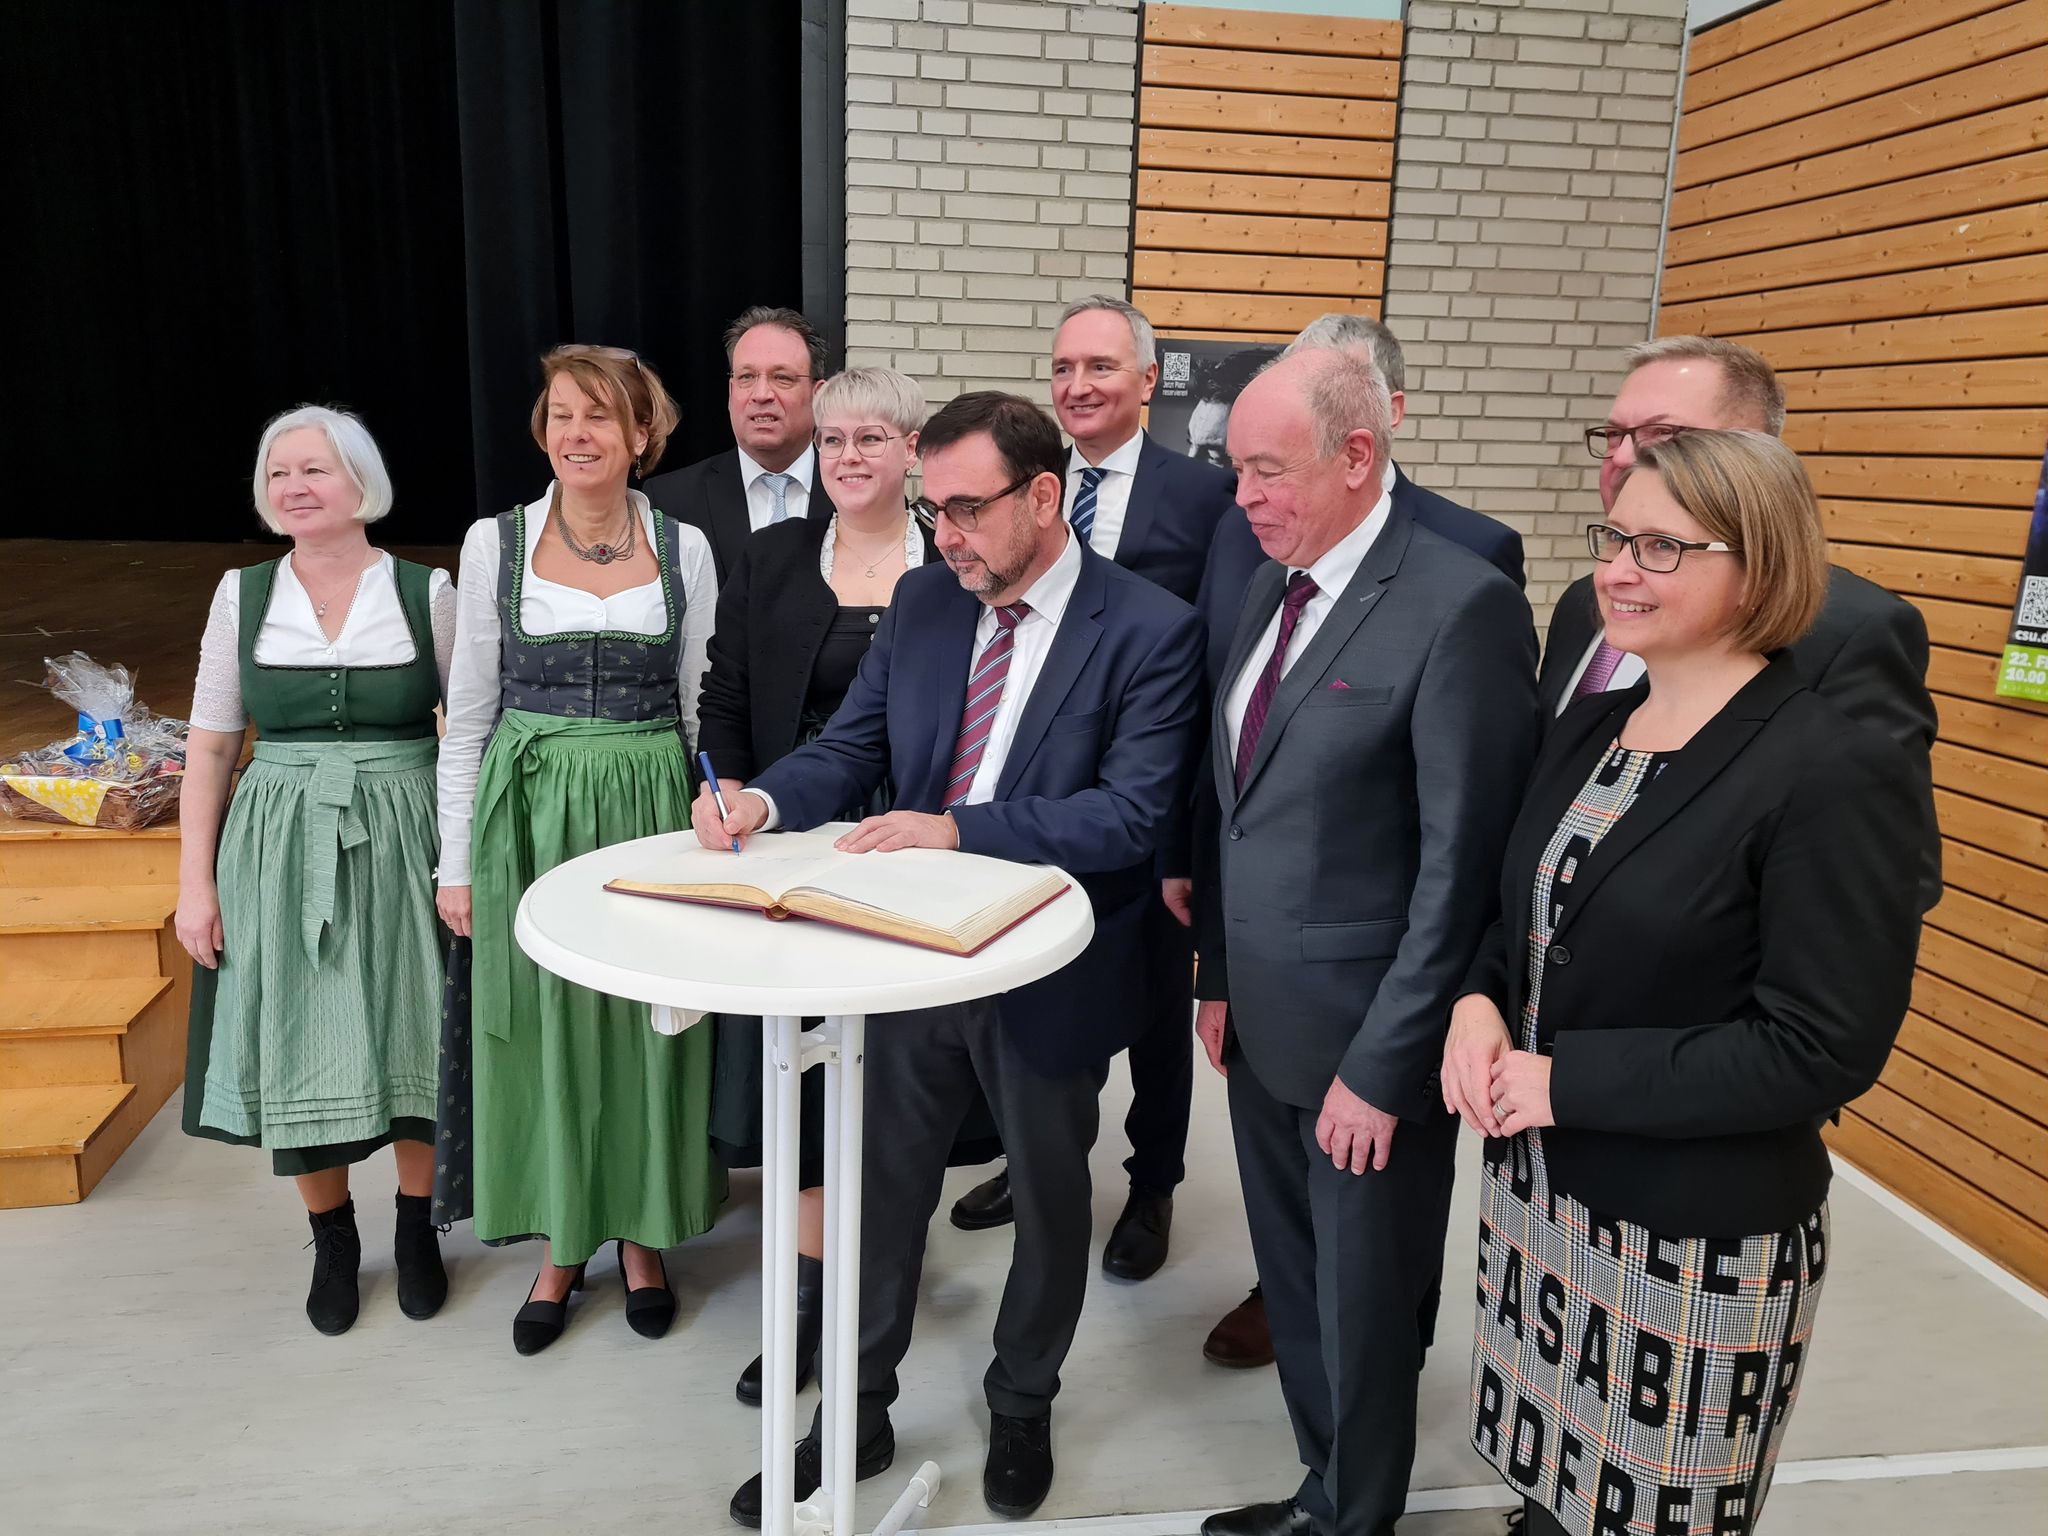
point(1371, 730)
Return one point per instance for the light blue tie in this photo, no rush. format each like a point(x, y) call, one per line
point(779, 485)
point(1083, 515)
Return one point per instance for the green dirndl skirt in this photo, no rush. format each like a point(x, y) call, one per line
point(317, 1036)
point(588, 1125)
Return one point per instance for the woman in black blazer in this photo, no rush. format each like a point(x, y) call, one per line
point(1709, 925)
point(795, 617)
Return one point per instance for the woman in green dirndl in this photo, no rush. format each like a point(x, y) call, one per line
point(580, 641)
point(310, 913)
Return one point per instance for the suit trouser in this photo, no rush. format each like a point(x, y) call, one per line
point(1163, 1056)
point(923, 1070)
point(1347, 1262)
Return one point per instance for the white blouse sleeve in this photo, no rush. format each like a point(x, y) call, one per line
point(473, 692)
point(441, 611)
point(217, 689)
point(700, 615)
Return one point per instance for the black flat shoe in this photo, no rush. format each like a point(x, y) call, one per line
point(416, 1251)
point(539, 1323)
point(984, 1206)
point(651, 1308)
point(1137, 1243)
point(333, 1299)
point(1286, 1518)
point(810, 1327)
point(1018, 1474)
point(871, 1458)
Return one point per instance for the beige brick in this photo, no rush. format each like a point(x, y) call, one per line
point(1010, 71)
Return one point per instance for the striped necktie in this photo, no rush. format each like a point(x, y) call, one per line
point(1599, 670)
point(1300, 588)
point(984, 698)
point(779, 485)
point(1083, 515)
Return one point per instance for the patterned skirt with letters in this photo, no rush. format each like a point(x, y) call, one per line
point(1632, 1384)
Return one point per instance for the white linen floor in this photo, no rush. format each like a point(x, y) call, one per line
point(157, 1375)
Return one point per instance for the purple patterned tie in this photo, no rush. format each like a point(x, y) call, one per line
point(1599, 671)
point(984, 698)
point(1300, 588)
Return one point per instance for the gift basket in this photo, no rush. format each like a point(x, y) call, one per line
point(123, 768)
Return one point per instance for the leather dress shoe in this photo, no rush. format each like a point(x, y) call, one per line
point(1018, 1474)
point(871, 1458)
point(1243, 1338)
point(1137, 1243)
point(810, 1328)
point(984, 1206)
point(1287, 1518)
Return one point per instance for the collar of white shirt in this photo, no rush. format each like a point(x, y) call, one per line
point(1333, 572)
point(1387, 479)
point(1124, 461)
point(1049, 595)
point(799, 471)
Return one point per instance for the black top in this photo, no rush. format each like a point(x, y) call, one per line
point(1733, 965)
point(847, 639)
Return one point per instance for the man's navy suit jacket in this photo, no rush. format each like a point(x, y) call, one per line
point(1089, 783)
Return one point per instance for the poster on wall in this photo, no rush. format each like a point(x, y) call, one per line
point(1199, 382)
point(2023, 672)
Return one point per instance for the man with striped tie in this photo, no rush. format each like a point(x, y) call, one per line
point(1032, 701)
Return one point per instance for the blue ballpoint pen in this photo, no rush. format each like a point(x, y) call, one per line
point(717, 795)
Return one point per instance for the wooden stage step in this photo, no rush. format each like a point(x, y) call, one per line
point(44, 853)
point(26, 909)
point(52, 1143)
point(76, 1031)
point(103, 932)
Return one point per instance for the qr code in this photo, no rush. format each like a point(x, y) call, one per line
point(1173, 369)
point(2033, 612)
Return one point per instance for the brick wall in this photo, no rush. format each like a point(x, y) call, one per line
point(988, 175)
point(1530, 163)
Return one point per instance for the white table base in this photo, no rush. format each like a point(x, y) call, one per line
point(839, 1044)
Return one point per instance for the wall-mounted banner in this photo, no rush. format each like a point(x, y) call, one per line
point(2023, 673)
point(1199, 381)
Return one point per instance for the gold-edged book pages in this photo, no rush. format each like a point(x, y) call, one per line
point(955, 902)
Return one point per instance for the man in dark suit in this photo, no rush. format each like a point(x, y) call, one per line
point(1155, 513)
point(1031, 701)
point(1242, 1337)
point(775, 360)
point(1866, 654)
point(1371, 728)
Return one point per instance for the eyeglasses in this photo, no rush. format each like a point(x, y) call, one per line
point(782, 381)
point(1653, 551)
point(869, 440)
point(1602, 442)
point(963, 512)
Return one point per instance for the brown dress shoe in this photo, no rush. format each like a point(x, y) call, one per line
point(1243, 1339)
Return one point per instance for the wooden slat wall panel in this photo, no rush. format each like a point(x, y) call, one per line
point(1863, 198)
point(1265, 157)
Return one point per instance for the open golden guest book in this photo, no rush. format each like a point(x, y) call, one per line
point(955, 902)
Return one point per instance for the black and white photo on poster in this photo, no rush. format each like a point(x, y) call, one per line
point(1199, 382)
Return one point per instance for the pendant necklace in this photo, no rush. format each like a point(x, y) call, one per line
point(605, 551)
point(859, 558)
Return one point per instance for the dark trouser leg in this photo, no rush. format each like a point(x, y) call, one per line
point(1163, 1056)
point(1274, 1174)
point(920, 1080)
point(1048, 1125)
point(1379, 1247)
point(1538, 1521)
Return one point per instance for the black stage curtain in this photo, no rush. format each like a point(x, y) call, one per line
point(226, 207)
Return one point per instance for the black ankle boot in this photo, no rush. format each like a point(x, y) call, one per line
point(332, 1302)
point(416, 1249)
point(810, 1328)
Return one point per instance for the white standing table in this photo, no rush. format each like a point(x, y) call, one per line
point(686, 959)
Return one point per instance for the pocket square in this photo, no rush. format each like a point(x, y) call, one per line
point(1340, 683)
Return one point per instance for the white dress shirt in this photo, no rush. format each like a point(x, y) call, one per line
point(374, 634)
point(1627, 672)
point(475, 681)
point(1112, 495)
point(1029, 642)
point(1331, 574)
point(761, 498)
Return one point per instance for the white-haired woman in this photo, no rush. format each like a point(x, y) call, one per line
point(310, 913)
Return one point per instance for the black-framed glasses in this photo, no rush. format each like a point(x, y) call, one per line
point(1653, 551)
point(963, 512)
point(1601, 442)
point(869, 440)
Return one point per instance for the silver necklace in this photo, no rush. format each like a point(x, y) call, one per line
point(869, 569)
point(605, 551)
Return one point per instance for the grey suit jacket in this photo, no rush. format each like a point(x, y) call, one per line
point(1353, 877)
